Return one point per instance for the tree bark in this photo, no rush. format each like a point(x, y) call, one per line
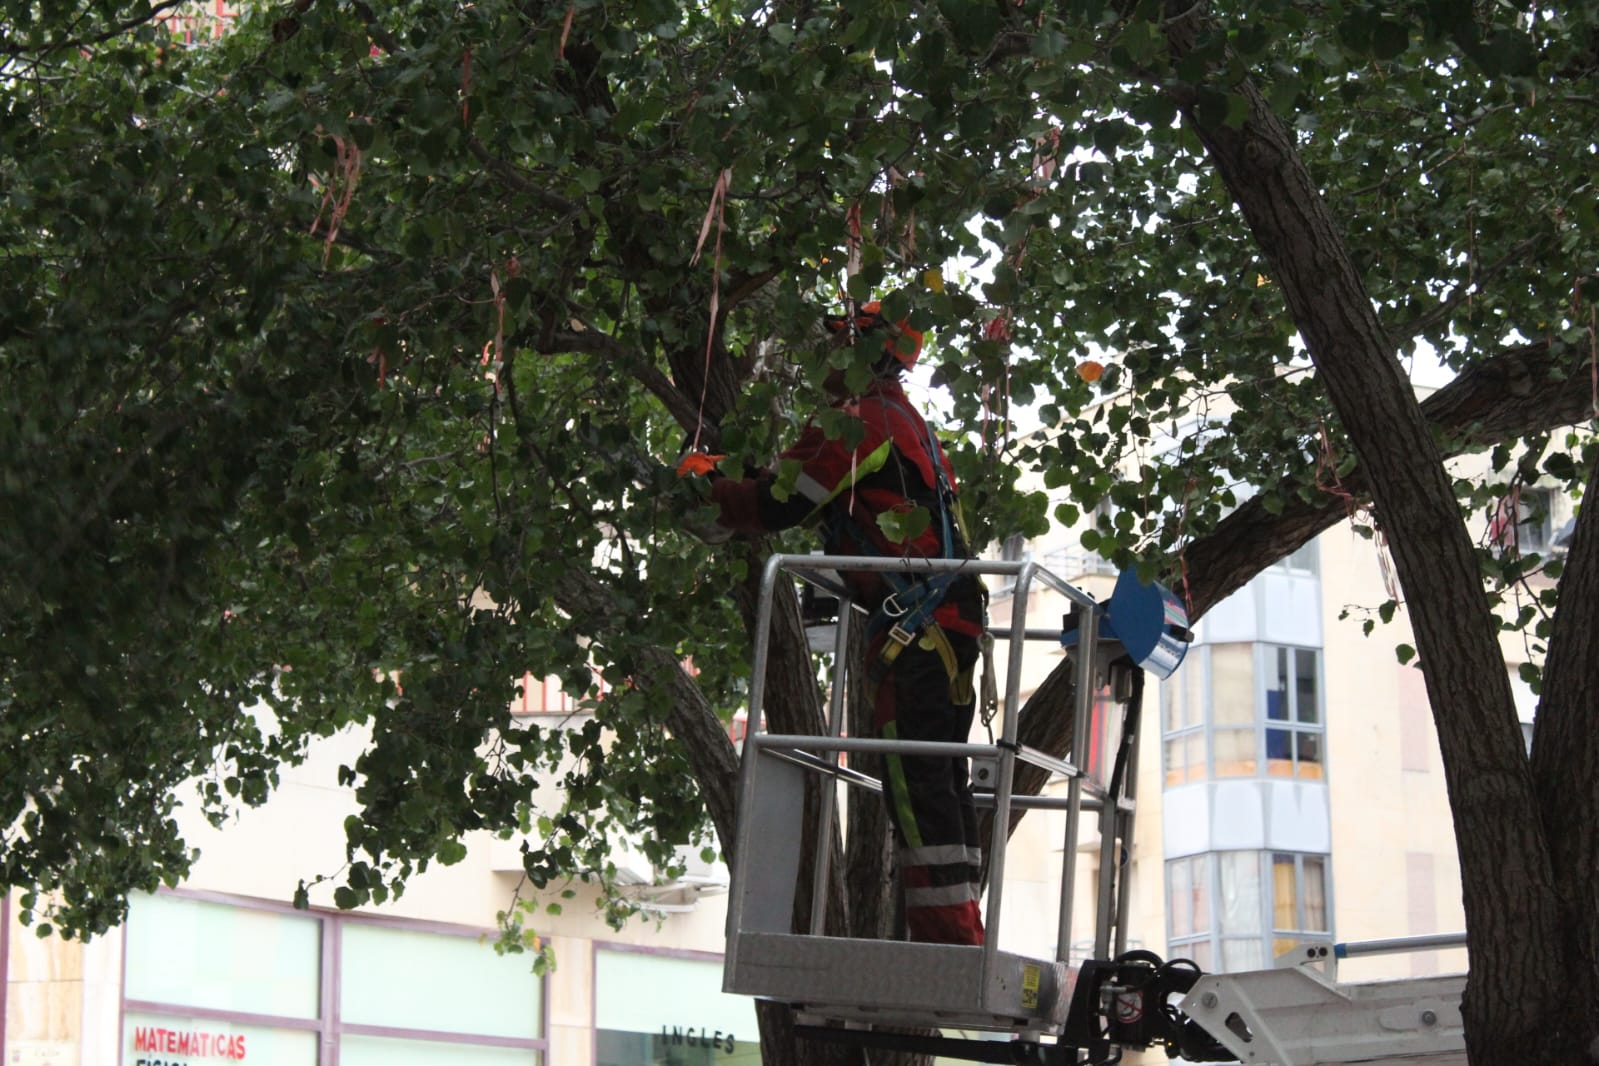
point(1565, 769)
point(1515, 987)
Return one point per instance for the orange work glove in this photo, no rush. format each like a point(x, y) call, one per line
point(698, 464)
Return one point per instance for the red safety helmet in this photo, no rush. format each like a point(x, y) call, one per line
point(902, 342)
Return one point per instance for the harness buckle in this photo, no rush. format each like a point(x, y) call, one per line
point(900, 635)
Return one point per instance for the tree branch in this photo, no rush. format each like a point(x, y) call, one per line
point(1462, 293)
point(596, 342)
point(1524, 390)
point(1520, 391)
point(18, 51)
point(692, 719)
point(516, 180)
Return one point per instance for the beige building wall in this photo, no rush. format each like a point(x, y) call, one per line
point(1395, 868)
point(64, 998)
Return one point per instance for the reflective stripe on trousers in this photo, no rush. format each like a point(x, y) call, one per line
point(929, 797)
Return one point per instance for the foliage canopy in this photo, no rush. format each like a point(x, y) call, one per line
point(343, 354)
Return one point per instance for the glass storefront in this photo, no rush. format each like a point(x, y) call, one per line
point(204, 954)
point(218, 982)
point(668, 1009)
point(169, 1040)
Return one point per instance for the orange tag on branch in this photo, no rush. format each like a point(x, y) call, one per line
point(698, 464)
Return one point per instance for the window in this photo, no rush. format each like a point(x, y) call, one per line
point(1233, 715)
point(1182, 699)
point(1299, 899)
point(1304, 560)
point(1241, 901)
point(1293, 714)
point(545, 695)
point(1231, 911)
point(196, 24)
point(1262, 704)
point(216, 957)
point(1188, 910)
point(1534, 532)
point(1522, 522)
point(214, 978)
point(469, 987)
point(668, 1008)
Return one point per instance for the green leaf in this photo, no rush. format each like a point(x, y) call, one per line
point(1508, 52)
point(903, 526)
point(1389, 38)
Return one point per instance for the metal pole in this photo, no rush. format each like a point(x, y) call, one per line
point(1087, 639)
point(1130, 789)
point(807, 742)
point(1005, 774)
point(1115, 837)
point(829, 798)
point(763, 639)
point(748, 769)
point(1106, 898)
point(1399, 943)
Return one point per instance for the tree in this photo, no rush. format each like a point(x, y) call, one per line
point(343, 355)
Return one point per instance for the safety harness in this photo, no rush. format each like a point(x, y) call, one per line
point(907, 611)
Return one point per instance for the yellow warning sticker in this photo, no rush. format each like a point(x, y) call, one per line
point(1030, 978)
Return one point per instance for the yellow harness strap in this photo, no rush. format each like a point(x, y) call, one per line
point(933, 639)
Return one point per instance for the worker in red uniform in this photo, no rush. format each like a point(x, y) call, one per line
point(923, 633)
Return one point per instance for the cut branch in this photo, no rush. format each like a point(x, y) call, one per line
point(1524, 390)
point(1521, 391)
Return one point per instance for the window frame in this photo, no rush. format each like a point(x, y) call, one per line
point(1534, 529)
point(1293, 723)
point(328, 1026)
point(1196, 724)
point(1257, 764)
point(1208, 947)
point(1283, 938)
point(1523, 521)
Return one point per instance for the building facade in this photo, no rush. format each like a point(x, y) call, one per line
point(226, 971)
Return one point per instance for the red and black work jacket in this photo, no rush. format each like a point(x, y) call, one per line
point(846, 487)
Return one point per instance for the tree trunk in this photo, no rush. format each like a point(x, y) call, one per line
point(1517, 986)
point(1565, 769)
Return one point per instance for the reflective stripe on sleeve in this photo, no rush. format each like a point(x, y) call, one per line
point(869, 463)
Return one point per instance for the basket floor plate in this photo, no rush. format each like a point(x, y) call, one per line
point(895, 982)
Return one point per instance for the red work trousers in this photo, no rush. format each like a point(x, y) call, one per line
point(928, 695)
